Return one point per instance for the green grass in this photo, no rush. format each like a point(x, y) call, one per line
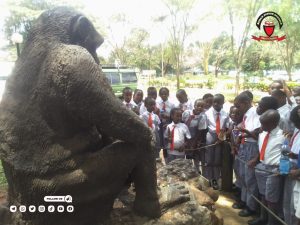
point(3, 182)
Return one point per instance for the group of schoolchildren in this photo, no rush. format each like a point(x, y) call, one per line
point(255, 134)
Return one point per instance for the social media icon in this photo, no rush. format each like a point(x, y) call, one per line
point(70, 208)
point(32, 208)
point(41, 208)
point(22, 208)
point(13, 208)
point(68, 198)
point(60, 208)
point(51, 208)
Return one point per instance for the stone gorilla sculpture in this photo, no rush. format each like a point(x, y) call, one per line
point(58, 115)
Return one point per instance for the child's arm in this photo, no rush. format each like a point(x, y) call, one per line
point(295, 174)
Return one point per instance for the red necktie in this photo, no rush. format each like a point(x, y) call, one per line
point(264, 146)
point(243, 126)
point(218, 124)
point(172, 142)
point(293, 138)
point(150, 121)
point(164, 106)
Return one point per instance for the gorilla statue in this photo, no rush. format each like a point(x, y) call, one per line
point(63, 132)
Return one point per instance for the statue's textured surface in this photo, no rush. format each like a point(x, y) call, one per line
point(58, 117)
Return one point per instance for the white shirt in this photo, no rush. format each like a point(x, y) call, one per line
point(194, 122)
point(212, 114)
point(155, 120)
point(296, 144)
point(144, 109)
point(189, 105)
point(128, 105)
point(285, 124)
point(273, 149)
point(251, 122)
point(168, 107)
point(181, 131)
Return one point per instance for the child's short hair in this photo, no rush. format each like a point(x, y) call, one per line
point(277, 82)
point(208, 95)
point(295, 115)
point(249, 93)
point(232, 107)
point(148, 101)
point(269, 102)
point(243, 98)
point(181, 92)
point(198, 100)
point(278, 94)
point(151, 90)
point(270, 116)
point(137, 90)
point(220, 96)
point(126, 89)
point(163, 89)
point(174, 110)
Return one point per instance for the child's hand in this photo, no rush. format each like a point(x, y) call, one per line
point(294, 173)
point(252, 163)
point(181, 149)
point(244, 130)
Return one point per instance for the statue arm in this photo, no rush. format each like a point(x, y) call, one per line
point(89, 97)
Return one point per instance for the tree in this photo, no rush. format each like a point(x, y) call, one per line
point(289, 11)
point(179, 12)
point(220, 53)
point(205, 50)
point(237, 8)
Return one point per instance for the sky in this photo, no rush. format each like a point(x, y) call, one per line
point(207, 15)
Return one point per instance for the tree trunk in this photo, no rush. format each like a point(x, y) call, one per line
point(289, 72)
point(237, 82)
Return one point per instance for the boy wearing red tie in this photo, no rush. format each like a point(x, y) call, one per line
point(177, 134)
point(152, 120)
point(217, 121)
point(248, 151)
point(269, 184)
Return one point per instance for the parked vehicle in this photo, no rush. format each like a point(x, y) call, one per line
point(120, 77)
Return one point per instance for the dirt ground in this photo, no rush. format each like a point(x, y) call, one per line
point(229, 215)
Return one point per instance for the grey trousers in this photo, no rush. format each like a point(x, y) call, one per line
point(247, 152)
point(213, 158)
point(288, 203)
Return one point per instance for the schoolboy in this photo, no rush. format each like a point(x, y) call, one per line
point(127, 96)
point(248, 151)
point(152, 120)
point(137, 100)
point(152, 93)
point(269, 185)
point(265, 104)
point(183, 102)
point(217, 120)
point(177, 135)
point(208, 99)
point(284, 111)
point(165, 106)
point(197, 123)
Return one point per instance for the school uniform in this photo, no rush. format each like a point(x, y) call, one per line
point(235, 143)
point(195, 123)
point(177, 133)
point(248, 149)
point(216, 121)
point(269, 185)
point(144, 109)
point(135, 105)
point(165, 108)
point(129, 105)
point(285, 123)
point(289, 184)
point(189, 105)
point(153, 122)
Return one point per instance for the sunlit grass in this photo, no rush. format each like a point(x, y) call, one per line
point(3, 182)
